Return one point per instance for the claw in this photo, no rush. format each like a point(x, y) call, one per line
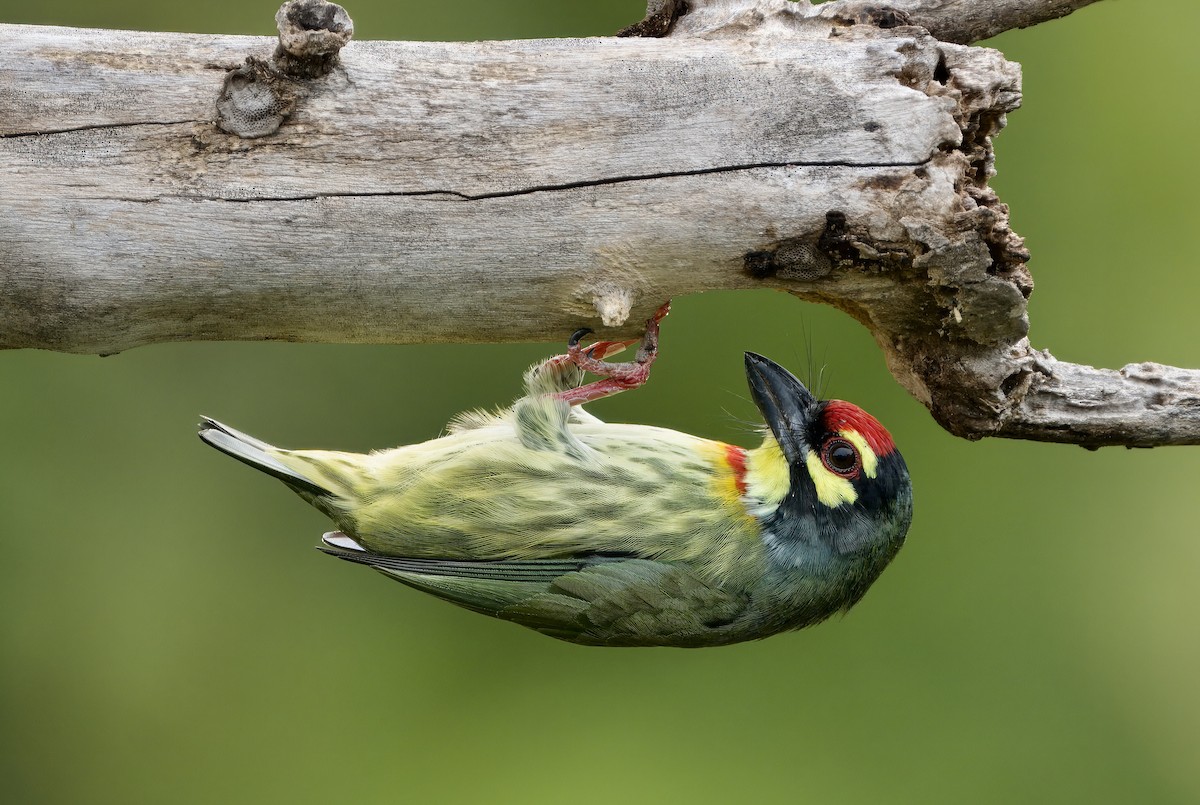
point(617, 377)
point(578, 336)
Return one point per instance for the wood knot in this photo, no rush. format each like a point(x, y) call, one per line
point(259, 95)
point(804, 258)
point(254, 100)
point(311, 32)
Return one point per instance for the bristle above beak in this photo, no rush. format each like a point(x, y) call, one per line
point(785, 403)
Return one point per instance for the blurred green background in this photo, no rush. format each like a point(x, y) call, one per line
point(168, 634)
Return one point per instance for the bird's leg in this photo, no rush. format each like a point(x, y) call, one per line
point(560, 373)
point(617, 377)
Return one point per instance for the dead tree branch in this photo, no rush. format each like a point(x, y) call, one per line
point(162, 187)
point(960, 21)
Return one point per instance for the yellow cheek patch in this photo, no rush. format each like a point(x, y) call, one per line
point(832, 489)
point(767, 474)
point(870, 462)
point(768, 477)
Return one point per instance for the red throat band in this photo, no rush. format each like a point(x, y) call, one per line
point(736, 456)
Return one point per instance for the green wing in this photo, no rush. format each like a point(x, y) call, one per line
point(483, 586)
point(595, 600)
point(636, 602)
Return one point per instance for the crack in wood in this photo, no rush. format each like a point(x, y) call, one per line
point(94, 127)
point(564, 186)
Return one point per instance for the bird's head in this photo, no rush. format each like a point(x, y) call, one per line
point(828, 480)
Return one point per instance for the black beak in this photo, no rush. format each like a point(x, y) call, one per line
point(785, 404)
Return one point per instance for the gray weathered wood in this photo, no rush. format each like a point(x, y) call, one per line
point(963, 21)
point(519, 190)
point(958, 21)
point(422, 190)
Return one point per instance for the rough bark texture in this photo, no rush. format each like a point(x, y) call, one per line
point(958, 21)
point(164, 187)
point(961, 21)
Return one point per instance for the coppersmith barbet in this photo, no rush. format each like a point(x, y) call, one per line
point(619, 535)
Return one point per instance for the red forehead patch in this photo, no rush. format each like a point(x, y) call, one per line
point(841, 415)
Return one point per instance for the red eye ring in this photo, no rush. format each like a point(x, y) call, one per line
point(841, 457)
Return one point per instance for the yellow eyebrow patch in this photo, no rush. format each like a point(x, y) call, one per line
point(870, 462)
point(832, 489)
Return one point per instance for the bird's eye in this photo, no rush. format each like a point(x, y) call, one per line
point(841, 457)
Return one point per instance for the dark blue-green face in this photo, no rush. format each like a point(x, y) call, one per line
point(849, 489)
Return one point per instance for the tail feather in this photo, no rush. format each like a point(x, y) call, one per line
point(256, 453)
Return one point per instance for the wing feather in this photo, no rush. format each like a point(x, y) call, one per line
point(594, 600)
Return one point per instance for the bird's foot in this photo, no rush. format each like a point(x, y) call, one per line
point(616, 377)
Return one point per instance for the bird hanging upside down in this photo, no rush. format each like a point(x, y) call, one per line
point(619, 535)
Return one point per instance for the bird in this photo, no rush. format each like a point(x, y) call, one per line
point(610, 534)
